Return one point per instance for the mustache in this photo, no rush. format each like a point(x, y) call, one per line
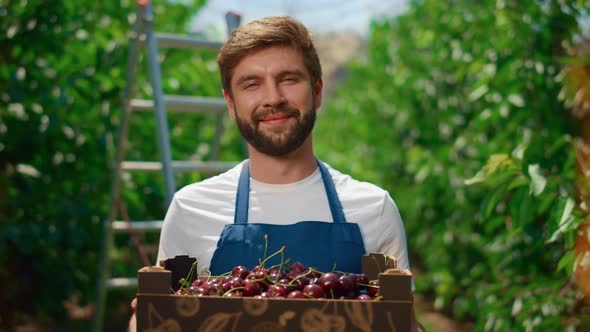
point(285, 110)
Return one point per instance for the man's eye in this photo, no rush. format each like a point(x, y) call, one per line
point(250, 85)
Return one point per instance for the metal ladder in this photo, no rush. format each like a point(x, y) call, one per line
point(143, 35)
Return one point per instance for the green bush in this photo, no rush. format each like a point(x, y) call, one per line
point(456, 112)
point(62, 70)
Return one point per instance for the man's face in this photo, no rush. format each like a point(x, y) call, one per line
point(273, 100)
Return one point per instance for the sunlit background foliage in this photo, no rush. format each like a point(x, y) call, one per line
point(469, 113)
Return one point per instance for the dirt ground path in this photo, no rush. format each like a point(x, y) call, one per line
point(434, 321)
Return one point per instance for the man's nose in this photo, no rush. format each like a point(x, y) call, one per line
point(273, 96)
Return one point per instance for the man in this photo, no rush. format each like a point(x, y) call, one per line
point(271, 78)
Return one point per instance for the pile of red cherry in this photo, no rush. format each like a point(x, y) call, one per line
point(295, 282)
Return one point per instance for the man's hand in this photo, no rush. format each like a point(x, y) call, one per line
point(132, 321)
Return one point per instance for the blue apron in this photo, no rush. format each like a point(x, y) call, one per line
point(316, 244)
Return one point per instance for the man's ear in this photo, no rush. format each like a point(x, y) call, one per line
point(317, 90)
point(230, 104)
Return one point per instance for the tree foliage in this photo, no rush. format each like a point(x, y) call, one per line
point(62, 70)
point(456, 111)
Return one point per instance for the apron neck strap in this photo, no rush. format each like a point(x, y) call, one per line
point(243, 195)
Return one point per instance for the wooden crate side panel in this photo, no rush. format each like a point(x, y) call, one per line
point(212, 314)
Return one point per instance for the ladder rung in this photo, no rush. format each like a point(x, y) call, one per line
point(179, 166)
point(152, 225)
point(122, 283)
point(183, 104)
point(167, 40)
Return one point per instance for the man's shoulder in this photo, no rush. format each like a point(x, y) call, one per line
point(226, 181)
point(346, 183)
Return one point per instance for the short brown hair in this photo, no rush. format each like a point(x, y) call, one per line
point(263, 33)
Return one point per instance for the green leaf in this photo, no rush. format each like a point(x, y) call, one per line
point(565, 221)
point(478, 93)
point(516, 100)
point(496, 162)
point(526, 210)
point(538, 181)
point(478, 178)
point(491, 200)
point(566, 262)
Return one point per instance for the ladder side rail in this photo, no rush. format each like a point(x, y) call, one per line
point(163, 136)
point(168, 40)
point(105, 265)
point(232, 21)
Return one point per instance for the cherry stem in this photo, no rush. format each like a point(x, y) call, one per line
point(280, 265)
point(366, 285)
point(300, 276)
point(209, 274)
point(187, 281)
point(225, 274)
point(233, 289)
point(265, 249)
point(334, 267)
point(280, 251)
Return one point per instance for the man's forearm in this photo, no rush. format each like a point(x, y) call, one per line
point(132, 324)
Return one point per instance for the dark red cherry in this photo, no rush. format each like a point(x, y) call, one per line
point(297, 267)
point(276, 291)
point(373, 288)
point(364, 297)
point(346, 283)
point(240, 271)
point(329, 281)
point(251, 288)
point(296, 295)
point(314, 291)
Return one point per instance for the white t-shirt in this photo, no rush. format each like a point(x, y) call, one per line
point(200, 210)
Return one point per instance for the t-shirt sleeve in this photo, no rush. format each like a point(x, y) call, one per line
point(171, 235)
point(394, 240)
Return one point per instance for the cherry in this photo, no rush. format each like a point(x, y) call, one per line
point(198, 282)
point(276, 291)
point(297, 267)
point(346, 283)
point(251, 288)
point(274, 277)
point(209, 288)
point(314, 291)
point(296, 295)
point(301, 281)
point(329, 281)
point(233, 283)
point(364, 297)
point(313, 273)
point(374, 288)
point(240, 271)
point(362, 279)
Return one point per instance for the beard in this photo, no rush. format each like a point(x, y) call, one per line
point(277, 143)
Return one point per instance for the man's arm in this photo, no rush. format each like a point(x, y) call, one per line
point(133, 320)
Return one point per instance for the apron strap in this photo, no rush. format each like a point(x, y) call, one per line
point(335, 206)
point(243, 195)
